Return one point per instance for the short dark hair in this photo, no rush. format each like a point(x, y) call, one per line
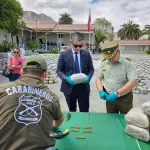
point(36, 72)
point(77, 36)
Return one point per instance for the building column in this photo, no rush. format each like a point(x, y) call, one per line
point(46, 41)
point(31, 35)
point(89, 41)
point(36, 30)
point(93, 39)
point(22, 35)
point(57, 38)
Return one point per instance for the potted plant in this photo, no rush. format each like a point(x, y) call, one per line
point(53, 51)
point(33, 45)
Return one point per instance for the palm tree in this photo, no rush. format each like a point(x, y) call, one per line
point(99, 38)
point(65, 19)
point(146, 31)
point(129, 31)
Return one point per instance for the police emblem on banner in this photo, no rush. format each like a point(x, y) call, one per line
point(29, 110)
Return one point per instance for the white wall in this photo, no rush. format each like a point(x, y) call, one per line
point(66, 37)
point(52, 37)
point(133, 48)
point(86, 38)
point(4, 35)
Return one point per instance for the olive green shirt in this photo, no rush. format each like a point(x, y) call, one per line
point(115, 76)
point(27, 110)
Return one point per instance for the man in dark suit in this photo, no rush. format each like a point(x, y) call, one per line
point(72, 61)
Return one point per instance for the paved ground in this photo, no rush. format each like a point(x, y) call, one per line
point(96, 104)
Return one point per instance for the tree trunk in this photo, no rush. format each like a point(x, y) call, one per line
point(99, 50)
point(143, 48)
point(12, 38)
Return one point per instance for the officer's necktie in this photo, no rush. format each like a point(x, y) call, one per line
point(77, 70)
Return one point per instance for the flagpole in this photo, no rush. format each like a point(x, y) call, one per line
point(89, 42)
point(90, 28)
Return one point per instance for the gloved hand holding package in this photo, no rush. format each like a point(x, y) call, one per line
point(137, 117)
point(69, 80)
point(146, 107)
point(138, 133)
point(78, 78)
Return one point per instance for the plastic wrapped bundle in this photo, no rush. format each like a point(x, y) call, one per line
point(146, 107)
point(138, 133)
point(78, 78)
point(137, 117)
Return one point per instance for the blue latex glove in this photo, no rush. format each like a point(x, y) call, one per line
point(87, 79)
point(68, 79)
point(103, 95)
point(112, 97)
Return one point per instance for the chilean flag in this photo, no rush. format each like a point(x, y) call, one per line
point(89, 21)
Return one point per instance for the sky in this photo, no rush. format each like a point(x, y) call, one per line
point(117, 12)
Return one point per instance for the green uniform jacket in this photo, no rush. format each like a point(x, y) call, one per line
point(115, 76)
point(27, 110)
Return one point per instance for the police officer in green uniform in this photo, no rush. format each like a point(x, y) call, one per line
point(28, 109)
point(117, 77)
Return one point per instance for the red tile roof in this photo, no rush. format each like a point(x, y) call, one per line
point(40, 26)
point(60, 27)
point(134, 42)
point(73, 27)
point(82, 27)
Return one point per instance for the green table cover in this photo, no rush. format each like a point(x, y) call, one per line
point(108, 133)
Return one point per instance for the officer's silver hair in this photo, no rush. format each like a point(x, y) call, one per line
point(77, 36)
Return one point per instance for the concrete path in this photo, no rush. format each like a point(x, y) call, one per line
point(96, 104)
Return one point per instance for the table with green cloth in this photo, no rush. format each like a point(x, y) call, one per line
point(108, 133)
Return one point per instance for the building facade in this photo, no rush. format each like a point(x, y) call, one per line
point(134, 45)
point(56, 34)
point(5, 36)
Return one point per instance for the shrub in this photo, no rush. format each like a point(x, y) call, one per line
point(53, 51)
point(148, 52)
point(34, 45)
point(6, 46)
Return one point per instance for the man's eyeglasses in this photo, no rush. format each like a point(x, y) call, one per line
point(76, 46)
point(16, 52)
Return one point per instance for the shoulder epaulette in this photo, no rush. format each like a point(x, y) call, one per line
point(130, 59)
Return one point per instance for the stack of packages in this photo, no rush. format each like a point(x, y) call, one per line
point(138, 120)
point(51, 77)
point(141, 87)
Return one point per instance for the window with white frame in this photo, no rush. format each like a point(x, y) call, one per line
point(60, 36)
